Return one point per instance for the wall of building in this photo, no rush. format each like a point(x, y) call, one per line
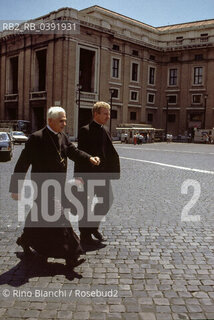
point(105, 36)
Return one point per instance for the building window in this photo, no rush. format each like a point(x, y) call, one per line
point(133, 115)
point(116, 47)
point(87, 70)
point(173, 59)
point(198, 57)
point(135, 53)
point(171, 117)
point(13, 76)
point(179, 40)
point(134, 95)
point(204, 37)
point(115, 68)
point(150, 98)
point(150, 117)
point(114, 114)
point(196, 98)
point(152, 57)
point(134, 71)
point(172, 99)
point(115, 93)
point(195, 117)
point(173, 77)
point(151, 75)
point(198, 75)
point(40, 72)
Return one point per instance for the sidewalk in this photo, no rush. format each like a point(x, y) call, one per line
point(147, 273)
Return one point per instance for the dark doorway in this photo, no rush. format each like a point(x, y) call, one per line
point(194, 120)
point(11, 113)
point(14, 75)
point(38, 118)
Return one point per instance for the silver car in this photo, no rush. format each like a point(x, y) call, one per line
point(6, 147)
point(19, 137)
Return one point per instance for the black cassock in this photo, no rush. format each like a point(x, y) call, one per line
point(94, 139)
point(47, 154)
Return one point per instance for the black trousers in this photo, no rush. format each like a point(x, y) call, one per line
point(96, 204)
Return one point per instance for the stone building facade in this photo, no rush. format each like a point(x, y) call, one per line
point(148, 73)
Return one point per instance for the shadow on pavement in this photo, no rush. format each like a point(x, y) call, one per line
point(34, 266)
point(88, 248)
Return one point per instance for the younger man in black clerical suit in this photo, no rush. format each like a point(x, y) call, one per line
point(47, 151)
point(94, 139)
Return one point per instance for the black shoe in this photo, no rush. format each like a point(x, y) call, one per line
point(88, 240)
point(24, 246)
point(99, 236)
point(73, 264)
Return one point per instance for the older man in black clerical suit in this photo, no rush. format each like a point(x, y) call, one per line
point(94, 139)
point(47, 151)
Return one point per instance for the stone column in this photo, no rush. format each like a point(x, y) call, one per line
point(210, 92)
point(71, 87)
point(58, 71)
point(185, 96)
point(2, 86)
point(27, 74)
point(50, 73)
point(64, 73)
point(21, 65)
point(125, 79)
point(143, 81)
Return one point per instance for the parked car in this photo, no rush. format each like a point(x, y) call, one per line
point(19, 137)
point(6, 147)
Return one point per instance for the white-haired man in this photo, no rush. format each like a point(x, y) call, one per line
point(47, 151)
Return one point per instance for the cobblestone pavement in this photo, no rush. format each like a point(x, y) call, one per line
point(155, 266)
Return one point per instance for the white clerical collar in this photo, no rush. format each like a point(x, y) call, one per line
point(49, 128)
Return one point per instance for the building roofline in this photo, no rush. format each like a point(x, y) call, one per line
point(90, 12)
point(46, 15)
point(183, 24)
point(171, 26)
point(116, 13)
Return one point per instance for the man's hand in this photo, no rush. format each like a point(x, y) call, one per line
point(95, 161)
point(15, 196)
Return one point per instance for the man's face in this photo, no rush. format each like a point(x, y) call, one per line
point(58, 124)
point(103, 116)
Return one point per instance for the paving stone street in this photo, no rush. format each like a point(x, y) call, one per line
point(158, 263)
